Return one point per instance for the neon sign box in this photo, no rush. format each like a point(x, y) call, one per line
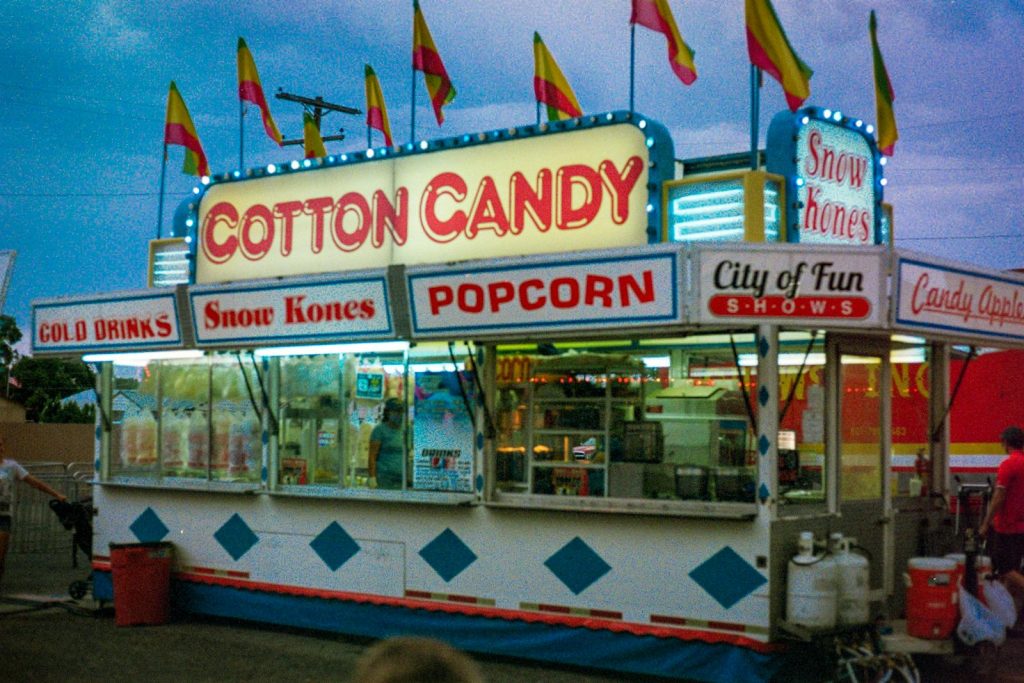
point(529, 190)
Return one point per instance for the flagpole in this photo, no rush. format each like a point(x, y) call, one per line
point(538, 113)
point(412, 108)
point(241, 134)
point(755, 114)
point(369, 140)
point(632, 62)
point(160, 202)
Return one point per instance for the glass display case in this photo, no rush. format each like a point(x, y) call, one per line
point(580, 405)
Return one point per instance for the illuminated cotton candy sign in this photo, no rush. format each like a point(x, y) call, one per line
point(548, 193)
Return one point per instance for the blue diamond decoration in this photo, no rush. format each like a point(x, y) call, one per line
point(577, 565)
point(764, 347)
point(148, 527)
point(763, 395)
point(236, 537)
point(447, 555)
point(334, 546)
point(763, 493)
point(727, 577)
point(763, 444)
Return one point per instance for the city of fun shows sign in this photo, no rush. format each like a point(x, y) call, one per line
point(810, 285)
point(488, 195)
point(833, 177)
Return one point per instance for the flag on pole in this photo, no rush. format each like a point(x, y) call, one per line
point(179, 130)
point(771, 52)
point(250, 89)
point(426, 58)
point(656, 15)
point(312, 143)
point(550, 85)
point(376, 112)
point(884, 96)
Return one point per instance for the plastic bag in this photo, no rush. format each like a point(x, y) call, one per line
point(1000, 602)
point(977, 622)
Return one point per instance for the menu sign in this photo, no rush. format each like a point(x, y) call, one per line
point(117, 322)
point(304, 311)
point(938, 296)
point(584, 291)
point(811, 285)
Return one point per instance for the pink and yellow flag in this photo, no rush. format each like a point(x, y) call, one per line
point(550, 85)
point(656, 15)
point(426, 58)
point(312, 143)
point(884, 96)
point(771, 52)
point(376, 112)
point(179, 130)
point(250, 89)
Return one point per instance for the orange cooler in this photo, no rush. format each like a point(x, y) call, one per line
point(932, 597)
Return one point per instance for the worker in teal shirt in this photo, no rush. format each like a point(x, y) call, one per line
point(387, 447)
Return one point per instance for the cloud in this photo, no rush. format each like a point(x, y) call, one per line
point(110, 31)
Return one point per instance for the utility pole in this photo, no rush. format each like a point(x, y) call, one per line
point(317, 107)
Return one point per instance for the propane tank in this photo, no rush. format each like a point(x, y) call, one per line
point(811, 595)
point(852, 572)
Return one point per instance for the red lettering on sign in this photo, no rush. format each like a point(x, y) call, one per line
point(778, 306)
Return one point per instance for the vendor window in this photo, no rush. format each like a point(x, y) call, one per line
point(662, 419)
point(801, 438)
point(388, 416)
point(194, 419)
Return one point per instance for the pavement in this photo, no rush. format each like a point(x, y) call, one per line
point(46, 636)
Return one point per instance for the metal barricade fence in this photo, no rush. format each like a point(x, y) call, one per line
point(35, 527)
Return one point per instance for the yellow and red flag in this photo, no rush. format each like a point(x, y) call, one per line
point(550, 85)
point(312, 143)
point(771, 52)
point(179, 130)
point(250, 89)
point(426, 58)
point(656, 15)
point(884, 96)
point(376, 112)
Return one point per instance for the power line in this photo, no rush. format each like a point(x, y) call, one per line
point(90, 194)
point(961, 237)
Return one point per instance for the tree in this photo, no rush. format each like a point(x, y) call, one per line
point(9, 336)
point(45, 382)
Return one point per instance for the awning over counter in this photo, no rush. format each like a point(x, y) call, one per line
point(647, 289)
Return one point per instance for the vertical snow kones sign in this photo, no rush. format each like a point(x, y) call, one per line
point(833, 177)
point(590, 182)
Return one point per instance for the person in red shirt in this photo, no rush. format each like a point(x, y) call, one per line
point(1005, 515)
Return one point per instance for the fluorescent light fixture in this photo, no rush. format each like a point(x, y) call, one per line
point(424, 367)
point(657, 362)
point(141, 359)
point(314, 349)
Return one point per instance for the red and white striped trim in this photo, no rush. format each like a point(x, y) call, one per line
point(571, 611)
point(450, 597)
point(708, 624)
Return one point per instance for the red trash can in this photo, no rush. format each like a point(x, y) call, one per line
point(142, 582)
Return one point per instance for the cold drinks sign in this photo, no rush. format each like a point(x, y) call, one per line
point(832, 170)
point(541, 194)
